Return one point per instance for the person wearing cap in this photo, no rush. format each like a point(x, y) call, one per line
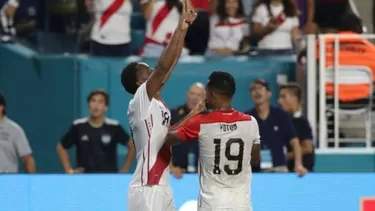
point(290, 99)
point(185, 155)
point(95, 138)
point(276, 131)
point(13, 144)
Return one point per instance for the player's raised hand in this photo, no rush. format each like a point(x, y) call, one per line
point(300, 170)
point(201, 106)
point(188, 15)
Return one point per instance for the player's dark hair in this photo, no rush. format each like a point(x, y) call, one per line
point(294, 89)
point(222, 83)
point(129, 78)
point(99, 92)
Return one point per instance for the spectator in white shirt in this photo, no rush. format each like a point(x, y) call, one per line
point(228, 29)
point(110, 35)
point(275, 26)
point(7, 29)
point(162, 17)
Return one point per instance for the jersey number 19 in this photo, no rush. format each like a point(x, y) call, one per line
point(239, 157)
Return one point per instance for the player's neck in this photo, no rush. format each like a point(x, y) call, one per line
point(224, 106)
point(96, 121)
point(263, 110)
point(157, 96)
point(2, 117)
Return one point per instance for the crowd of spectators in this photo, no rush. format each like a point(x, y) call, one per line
point(128, 27)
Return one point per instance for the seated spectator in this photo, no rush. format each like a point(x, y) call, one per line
point(353, 50)
point(162, 18)
point(7, 29)
point(328, 14)
point(110, 35)
point(290, 99)
point(275, 26)
point(228, 29)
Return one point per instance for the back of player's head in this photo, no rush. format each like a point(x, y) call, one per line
point(351, 22)
point(222, 83)
point(129, 77)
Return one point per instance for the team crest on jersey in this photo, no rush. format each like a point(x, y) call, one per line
point(106, 138)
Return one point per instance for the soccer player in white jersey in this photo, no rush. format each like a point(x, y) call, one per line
point(229, 143)
point(149, 121)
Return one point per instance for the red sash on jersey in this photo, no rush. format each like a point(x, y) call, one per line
point(111, 10)
point(158, 19)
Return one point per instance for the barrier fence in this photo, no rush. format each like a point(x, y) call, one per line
point(339, 91)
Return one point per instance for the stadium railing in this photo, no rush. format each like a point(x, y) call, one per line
point(339, 91)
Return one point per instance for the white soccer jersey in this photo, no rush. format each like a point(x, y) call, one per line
point(112, 22)
point(225, 142)
point(149, 122)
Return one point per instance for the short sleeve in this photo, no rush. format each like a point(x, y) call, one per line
point(22, 144)
point(287, 127)
point(260, 14)
point(295, 22)
point(256, 131)
point(121, 136)
point(69, 139)
point(140, 104)
point(190, 130)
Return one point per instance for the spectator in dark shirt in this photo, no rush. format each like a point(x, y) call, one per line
point(185, 156)
point(276, 130)
point(95, 139)
point(290, 98)
point(328, 14)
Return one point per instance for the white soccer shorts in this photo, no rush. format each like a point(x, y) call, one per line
point(150, 198)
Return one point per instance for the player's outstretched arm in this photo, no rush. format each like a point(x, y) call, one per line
point(171, 53)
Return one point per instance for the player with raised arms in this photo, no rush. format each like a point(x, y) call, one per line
point(229, 142)
point(149, 120)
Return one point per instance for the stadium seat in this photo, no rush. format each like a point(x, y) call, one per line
point(137, 40)
point(137, 21)
point(355, 84)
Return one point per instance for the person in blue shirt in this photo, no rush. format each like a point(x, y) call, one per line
point(290, 99)
point(276, 131)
